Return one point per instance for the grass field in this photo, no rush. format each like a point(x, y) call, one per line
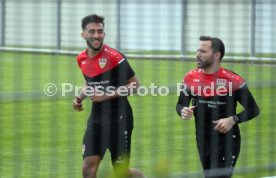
point(41, 136)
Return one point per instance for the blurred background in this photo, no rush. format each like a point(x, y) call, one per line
point(40, 133)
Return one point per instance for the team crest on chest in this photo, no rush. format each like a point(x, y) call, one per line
point(221, 82)
point(102, 62)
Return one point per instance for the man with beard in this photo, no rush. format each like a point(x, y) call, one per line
point(109, 79)
point(214, 93)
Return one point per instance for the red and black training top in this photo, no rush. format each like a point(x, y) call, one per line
point(215, 96)
point(108, 70)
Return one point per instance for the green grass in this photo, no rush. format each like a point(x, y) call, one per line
point(41, 136)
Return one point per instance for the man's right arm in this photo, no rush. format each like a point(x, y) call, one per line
point(77, 101)
point(182, 106)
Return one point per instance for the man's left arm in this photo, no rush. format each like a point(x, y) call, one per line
point(246, 99)
point(251, 110)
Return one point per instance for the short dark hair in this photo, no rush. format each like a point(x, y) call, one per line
point(217, 44)
point(94, 18)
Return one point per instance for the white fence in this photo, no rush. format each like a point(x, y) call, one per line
point(246, 26)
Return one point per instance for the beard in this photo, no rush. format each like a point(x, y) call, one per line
point(204, 64)
point(89, 44)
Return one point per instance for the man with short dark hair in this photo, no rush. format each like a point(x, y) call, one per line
point(110, 124)
point(214, 93)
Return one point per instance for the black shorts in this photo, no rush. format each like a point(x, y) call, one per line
point(115, 137)
point(218, 160)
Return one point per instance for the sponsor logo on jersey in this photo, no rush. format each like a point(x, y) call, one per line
point(194, 102)
point(196, 80)
point(102, 62)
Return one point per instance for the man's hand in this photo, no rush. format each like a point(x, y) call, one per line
point(186, 112)
point(77, 104)
point(224, 125)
